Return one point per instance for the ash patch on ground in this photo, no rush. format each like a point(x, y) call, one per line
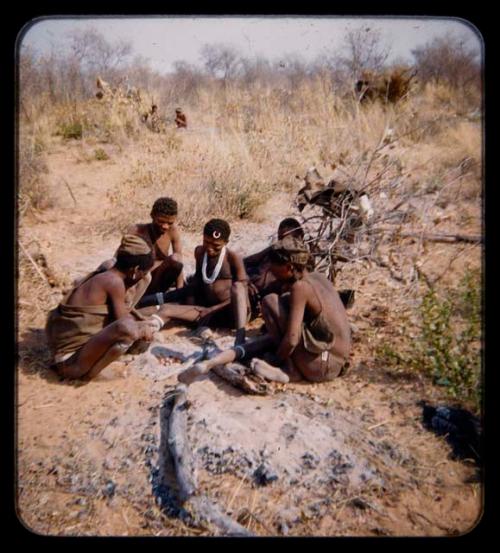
point(285, 439)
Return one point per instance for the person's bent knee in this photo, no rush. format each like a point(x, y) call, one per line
point(270, 302)
point(127, 331)
point(71, 371)
point(237, 288)
point(177, 259)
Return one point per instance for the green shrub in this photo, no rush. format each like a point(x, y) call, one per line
point(100, 155)
point(238, 200)
point(447, 346)
point(71, 130)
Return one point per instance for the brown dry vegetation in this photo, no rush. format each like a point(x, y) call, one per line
point(88, 169)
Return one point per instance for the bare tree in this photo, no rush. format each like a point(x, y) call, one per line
point(257, 69)
point(96, 54)
point(221, 61)
point(185, 81)
point(364, 50)
point(450, 58)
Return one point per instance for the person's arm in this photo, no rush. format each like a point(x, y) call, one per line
point(296, 316)
point(238, 268)
point(274, 287)
point(116, 297)
point(195, 282)
point(207, 312)
point(175, 240)
point(177, 249)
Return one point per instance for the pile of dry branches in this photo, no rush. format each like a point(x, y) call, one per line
point(367, 213)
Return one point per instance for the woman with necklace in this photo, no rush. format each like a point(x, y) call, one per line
point(217, 294)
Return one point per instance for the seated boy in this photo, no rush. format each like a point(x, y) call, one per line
point(160, 234)
point(217, 291)
point(307, 325)
point(96, 323)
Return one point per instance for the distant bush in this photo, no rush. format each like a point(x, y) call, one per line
point(33, 190)
point(100, 155)
point(238, 200)
point(71, 130)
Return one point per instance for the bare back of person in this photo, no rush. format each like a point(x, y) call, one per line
point(317, 336)
point(95, 290)
point(326, 300)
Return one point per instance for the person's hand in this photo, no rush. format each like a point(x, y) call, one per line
point(147, 329)
point(204, 315)
point(284, 350)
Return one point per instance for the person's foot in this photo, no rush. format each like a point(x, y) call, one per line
point(267, 371)
point(203, 332)
point(193, 373)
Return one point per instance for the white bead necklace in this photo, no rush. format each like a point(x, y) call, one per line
point(216, 271)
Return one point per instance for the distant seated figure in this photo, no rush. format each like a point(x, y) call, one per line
point(180, 119)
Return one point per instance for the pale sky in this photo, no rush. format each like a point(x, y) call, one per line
point(164, 40)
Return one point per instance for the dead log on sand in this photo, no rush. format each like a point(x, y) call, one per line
point(449, 238)
point(240, 377)
point(178, 445)
point(200, 507)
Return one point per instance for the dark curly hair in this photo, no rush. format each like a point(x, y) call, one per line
point(164, 206)
point(293, 226)
point(217, 228)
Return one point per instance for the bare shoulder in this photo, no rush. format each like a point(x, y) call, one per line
point(111, 281)
point(198, 252)
point(323, 285)
point(233, 256)
point(136, 229)
point(300, 287)
point(175, 232)
point(320, 278)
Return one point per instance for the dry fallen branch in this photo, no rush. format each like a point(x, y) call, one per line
point(179, 449)
point(200, 507)
point(448, 238)
point(69, 189)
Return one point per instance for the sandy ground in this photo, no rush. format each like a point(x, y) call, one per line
point(349, 457)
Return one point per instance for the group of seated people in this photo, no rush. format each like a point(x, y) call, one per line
point(306, 334)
